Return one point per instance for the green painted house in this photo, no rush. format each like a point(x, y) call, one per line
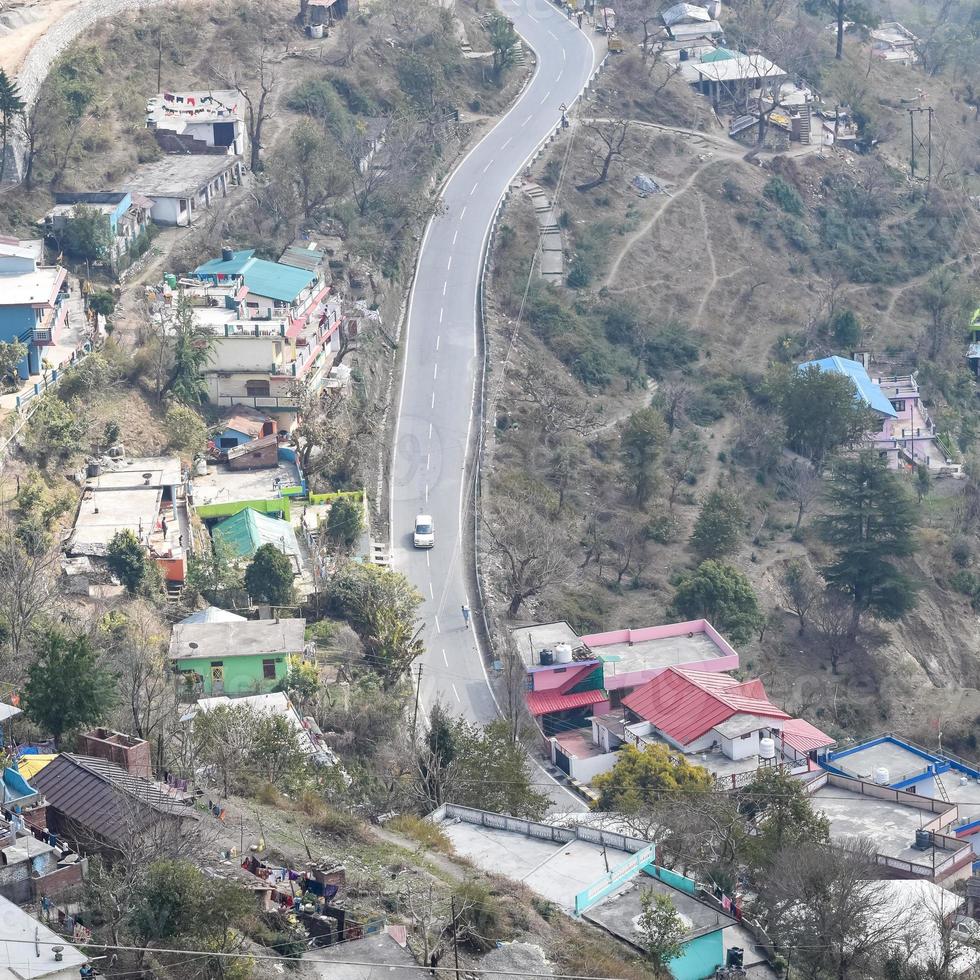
point(236, 658)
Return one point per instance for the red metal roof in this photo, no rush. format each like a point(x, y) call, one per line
point(686, 704)
point(546, 702)
point(803, 736)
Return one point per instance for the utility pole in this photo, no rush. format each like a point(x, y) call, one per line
point(912, 138)
point(929, 184)
point(455, 938)
point(159, 55)
point(418, 691)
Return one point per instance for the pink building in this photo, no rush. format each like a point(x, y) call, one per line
point(571, 678)
point(911, 437)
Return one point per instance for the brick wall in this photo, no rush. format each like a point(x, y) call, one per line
point(132, 754)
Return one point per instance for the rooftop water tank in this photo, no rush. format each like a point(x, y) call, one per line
point(547, 658)
point(882, 776)
point(227, 254)
point(563, 653)
point(767, 748)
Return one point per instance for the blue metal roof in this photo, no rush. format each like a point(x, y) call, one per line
point(232, 267)
point(867, 390)
point(263, 278)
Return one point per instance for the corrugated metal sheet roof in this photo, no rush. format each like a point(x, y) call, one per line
point(803, 736)
point(263, 278)
point(686, 704)
point(867, 390)
point(104, 797)
point(212, 614)
point(546, 702)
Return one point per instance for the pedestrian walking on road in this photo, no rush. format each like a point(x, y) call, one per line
point(466, 616)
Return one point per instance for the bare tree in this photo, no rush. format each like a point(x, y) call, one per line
point(28, 583)
point(830, 892)
point(831, 617)
point(606, 140)
point(628, 546)
point(685, 461)
point(799, 480)
point(138, 657)
point(257, 103)
point(672, 399)
point(389, 168)
point(532, 552)
point(800, 588)
point(550, 405)
point(568, 460)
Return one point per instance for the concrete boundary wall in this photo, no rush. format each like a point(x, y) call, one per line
point(541, 831)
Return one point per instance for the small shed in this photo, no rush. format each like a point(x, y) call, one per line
point(241, 424)
point(257, 455)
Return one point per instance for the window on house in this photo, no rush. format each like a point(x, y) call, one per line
point(747, 735)
point(899, 404)
point(257, 389)
point(269, 670)
point(217, 663)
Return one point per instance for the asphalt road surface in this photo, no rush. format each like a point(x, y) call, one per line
point(442, 368)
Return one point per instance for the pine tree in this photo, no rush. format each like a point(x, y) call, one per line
point(11, 106)
point(872, 524)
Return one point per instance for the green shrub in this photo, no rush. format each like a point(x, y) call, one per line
point(962, 552)
point(481, 920)
point(783, 194)
point(428, 834)
point(965, 582)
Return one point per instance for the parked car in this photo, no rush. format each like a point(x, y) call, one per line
point(424, 536)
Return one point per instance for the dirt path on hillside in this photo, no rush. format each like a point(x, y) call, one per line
point(646, 228)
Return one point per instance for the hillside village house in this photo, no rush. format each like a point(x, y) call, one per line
point(908, 436)
point(180, 186)
point(144, 495)
point(101, 795)
point(242, 425)
point(729, 727)
point(127, 215)
point(235, 658)
point(33, 300)
point(900, 764)
point(207, 123)
point(894, 43)
point(275, 324)
point(688, 22)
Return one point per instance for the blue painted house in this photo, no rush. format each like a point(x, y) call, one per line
point(242, 424)
point(704, 947)
point(32, 304)
point(274, 289)
point(865, 389)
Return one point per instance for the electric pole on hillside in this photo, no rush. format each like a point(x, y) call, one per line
point(918, 141)
point(418, 691)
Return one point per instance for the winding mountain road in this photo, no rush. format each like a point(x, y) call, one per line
point(432, 461)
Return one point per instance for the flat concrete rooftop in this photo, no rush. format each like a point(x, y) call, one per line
point(102, 515)
point(619, 912)
point(556, 872)
point(531, 640)
point(668, 651)
point(177, 176)
point(137, 471)
point(890, 826)
point(226, 486)
point(897, 759)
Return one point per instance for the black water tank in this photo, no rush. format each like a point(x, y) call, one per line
point(547, 658)
point(735, 957)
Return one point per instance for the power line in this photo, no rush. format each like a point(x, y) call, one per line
point(200, 953)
